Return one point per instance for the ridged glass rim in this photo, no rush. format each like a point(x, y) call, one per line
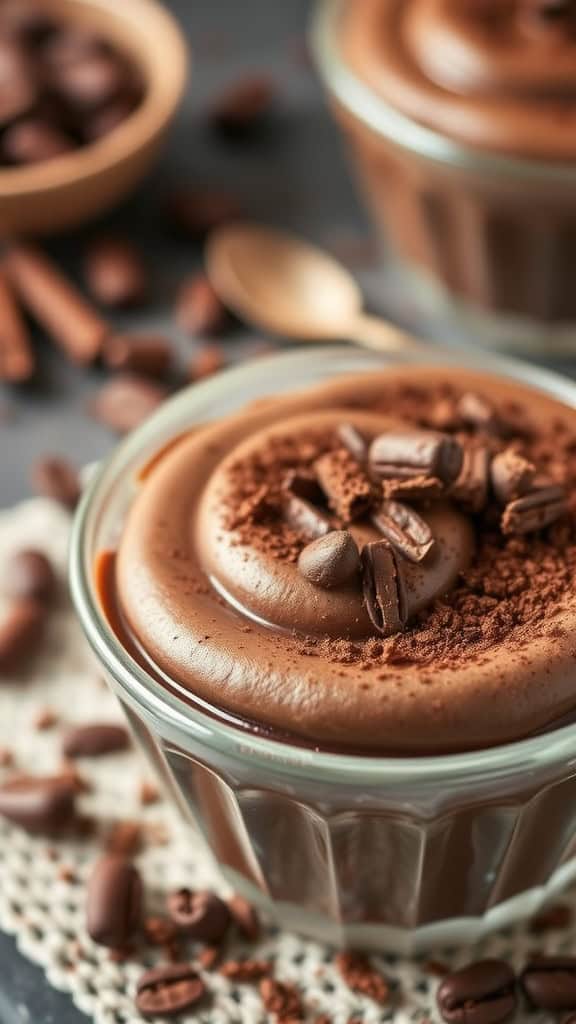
point(364, 103)
point(319, 363)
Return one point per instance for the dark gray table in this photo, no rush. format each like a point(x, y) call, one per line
point(294, 176)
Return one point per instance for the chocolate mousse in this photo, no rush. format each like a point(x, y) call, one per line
point(381, 564)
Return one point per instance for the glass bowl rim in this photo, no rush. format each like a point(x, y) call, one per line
point(554, 747)
point(363, 102)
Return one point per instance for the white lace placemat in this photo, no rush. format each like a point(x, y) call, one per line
point(42, 890)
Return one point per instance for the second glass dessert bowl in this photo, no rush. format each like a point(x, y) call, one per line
point(342, 844)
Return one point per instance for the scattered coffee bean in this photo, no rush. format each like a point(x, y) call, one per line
point(124, 402)
point(146, 354)
point(243, 107)
point(114, 902)
point(169, 990)
point(549, 982)
point(29, 576)
point(95, 739)
point(115, 273)
point(407, 532)
point(201, 915)
point(559, 915)
point(362, 977)
point(43, 805)
point(512, 475)
point(471, 486)
point(304, 518)
point(56, 478)
point(199, 310)
point(478, 412)
point(21, 629)
point(353, 441)
point(347, 489)
point(281, 998)
point(245, 917)
point(194, 212)
point(416, 453)
point(17, 360)
point(243, 971)
point(384, 588)
point(480, 993)
point(34, 140)
point(207, 360)
point(535, 510)
point(330, 561)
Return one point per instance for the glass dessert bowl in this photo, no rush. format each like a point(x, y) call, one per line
point(373, 748)
point(460, 122)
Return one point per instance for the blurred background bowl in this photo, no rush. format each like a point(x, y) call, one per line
point(49, 197)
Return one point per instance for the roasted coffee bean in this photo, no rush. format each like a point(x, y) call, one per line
point(199, 311)
point(115, 273)
point(56, 478)
point(201, 915)
point(95, 739)
point(353, 441)
point(149, 355)
point(34, 140)
point(169, 990)
point(304, 518)
point(535, 510)
point(43, 805)
point(347, 488)
point(407, 532)
point(124, 402)
point(480, 993)
point(471, 487)
point(18, 87)
point(549, 982)
point(245, 917)
point(384, 588)
point(242, 108)
point(207, 360)
point(416, 453)
point(21, 629)
point(477, 411)
point(29, 576)
point(512, 475)
point(194, 212)
point(114, 902)
point(330, 561)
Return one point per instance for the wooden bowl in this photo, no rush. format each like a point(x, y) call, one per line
point(46, 198)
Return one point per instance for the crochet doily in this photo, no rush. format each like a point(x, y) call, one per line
point(42, 892)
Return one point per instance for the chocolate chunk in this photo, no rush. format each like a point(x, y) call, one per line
point(115, 273)
point(481, 993)
point(245, 917)
point(353, 441)
point(418, 488)
point(43, 805)
point(384, 588)
point(407, 532)
point(281, 998)
point(146, 354)
point(246, 970)
point(34, 140)
point(123, 403)
point(512, 475)
point(114, 902)
point(169, 990)
point(95, 740)
point(304, 485)
point(57, 478)
point(207, 360)
point(549, 982)
point(200, 915)
point(304, 518)
point(21, 629)
point(471, 487)
point(362, 977)
point(242, 108)
point(29, 576)
point(347, 489)
point(199, 310)
point(416, 453)
point(330, 561)
point(193, 212)
point(535, 510)
point(478, 412)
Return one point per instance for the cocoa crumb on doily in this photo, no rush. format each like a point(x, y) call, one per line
point(281, 999)
point(362, 977)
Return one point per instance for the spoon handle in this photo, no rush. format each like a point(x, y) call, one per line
point(373, 332)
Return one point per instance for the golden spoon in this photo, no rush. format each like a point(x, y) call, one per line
point(287, 286)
